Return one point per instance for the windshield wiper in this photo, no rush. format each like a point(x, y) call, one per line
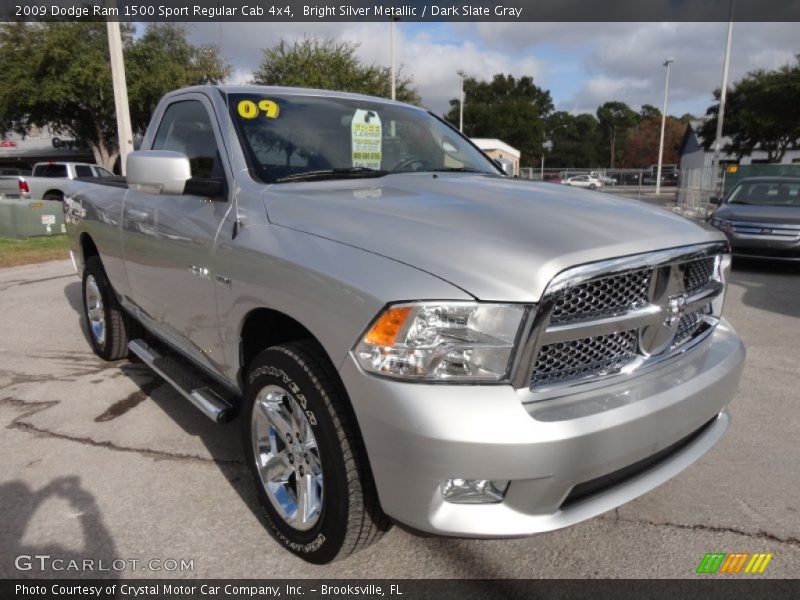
point(345, 173)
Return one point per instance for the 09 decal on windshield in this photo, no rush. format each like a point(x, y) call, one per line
point(250, 109)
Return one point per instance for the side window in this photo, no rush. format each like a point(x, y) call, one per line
point(83, 171)
point(187, 128)
point(101, 172)
point(50, 170)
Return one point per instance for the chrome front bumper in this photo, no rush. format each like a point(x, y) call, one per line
point(418, 435)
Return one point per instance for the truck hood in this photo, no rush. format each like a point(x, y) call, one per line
point(496, 238)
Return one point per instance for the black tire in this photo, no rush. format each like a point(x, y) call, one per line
point(350, 517)
point(118, 326)
point(55, 196)
point(592, 186)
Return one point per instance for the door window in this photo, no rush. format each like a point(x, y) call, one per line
point(186, 128)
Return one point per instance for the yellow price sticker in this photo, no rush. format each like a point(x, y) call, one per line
point(248, 109)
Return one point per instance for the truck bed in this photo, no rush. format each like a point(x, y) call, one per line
point(118, 182)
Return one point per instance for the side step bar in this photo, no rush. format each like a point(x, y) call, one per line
point(187, 380)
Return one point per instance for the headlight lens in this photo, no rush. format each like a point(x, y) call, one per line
point(721, 224)
point(438, 341)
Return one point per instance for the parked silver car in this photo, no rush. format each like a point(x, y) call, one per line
point(404, 331)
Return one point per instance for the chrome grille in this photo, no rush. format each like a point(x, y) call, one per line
point(602, 297)
point(779, 232)
point(698, 273)
point(597, 319)
point(688, 327)
point(577, 358)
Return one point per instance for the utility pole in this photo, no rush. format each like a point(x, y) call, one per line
point(667, 64)
point(461, 103)
point(124, 130)
point(722, 96)
point(393, 68)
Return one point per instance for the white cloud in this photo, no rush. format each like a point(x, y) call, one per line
point(434, 65)
point(583, 64)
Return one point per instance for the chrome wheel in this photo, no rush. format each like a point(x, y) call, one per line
point(94, 311)
point(287, 457)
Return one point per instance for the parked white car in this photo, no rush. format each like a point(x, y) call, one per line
point(584, 181)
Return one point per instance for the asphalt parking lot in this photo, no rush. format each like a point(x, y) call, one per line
point(106, 462)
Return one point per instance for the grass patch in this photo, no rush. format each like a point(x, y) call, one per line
point(32, 250)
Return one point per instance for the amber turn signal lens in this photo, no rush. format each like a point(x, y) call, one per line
point(385, 331)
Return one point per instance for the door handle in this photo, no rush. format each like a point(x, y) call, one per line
point(140, 216)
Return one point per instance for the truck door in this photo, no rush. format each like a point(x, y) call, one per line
point(169, 240)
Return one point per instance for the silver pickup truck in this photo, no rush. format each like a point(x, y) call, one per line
point(404, 332)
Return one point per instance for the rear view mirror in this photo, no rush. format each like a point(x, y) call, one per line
point(158, 171)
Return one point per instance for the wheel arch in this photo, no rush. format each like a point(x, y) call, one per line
point(263, 327)
point(88, 247)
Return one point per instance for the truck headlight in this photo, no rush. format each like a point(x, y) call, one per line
point(442, 341)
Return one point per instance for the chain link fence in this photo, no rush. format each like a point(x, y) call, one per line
point(640, 182)
point(698, 185)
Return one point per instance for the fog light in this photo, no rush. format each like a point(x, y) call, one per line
point(474, 491)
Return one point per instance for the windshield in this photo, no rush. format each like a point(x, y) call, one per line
point(767, 193)
point(295, 138)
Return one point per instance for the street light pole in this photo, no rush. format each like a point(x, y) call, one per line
point(124, 130)
point(723, 92)
point(547, 145)
point(461, 103)
point(667, 64)
point(541, 170)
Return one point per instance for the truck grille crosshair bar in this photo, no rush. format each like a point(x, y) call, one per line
point(615, 317)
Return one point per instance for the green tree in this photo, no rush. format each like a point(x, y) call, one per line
point(615, 118)
point(162, 60)
point(59, 75)
point(512, 110)
point(329, 65)
point(576, 140)
point(761, 112)
point(649, 111)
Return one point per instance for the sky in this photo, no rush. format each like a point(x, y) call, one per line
point(582, 64)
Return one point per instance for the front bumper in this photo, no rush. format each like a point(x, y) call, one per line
point(771, 242)
point(418, 435)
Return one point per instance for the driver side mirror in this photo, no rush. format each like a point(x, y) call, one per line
point(169, 173)
point(715, 200)
point(158, 172)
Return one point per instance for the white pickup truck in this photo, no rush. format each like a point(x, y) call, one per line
point(12, 181)
point(50, 179)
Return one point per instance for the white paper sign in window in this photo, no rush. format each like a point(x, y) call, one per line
point(366, 134)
